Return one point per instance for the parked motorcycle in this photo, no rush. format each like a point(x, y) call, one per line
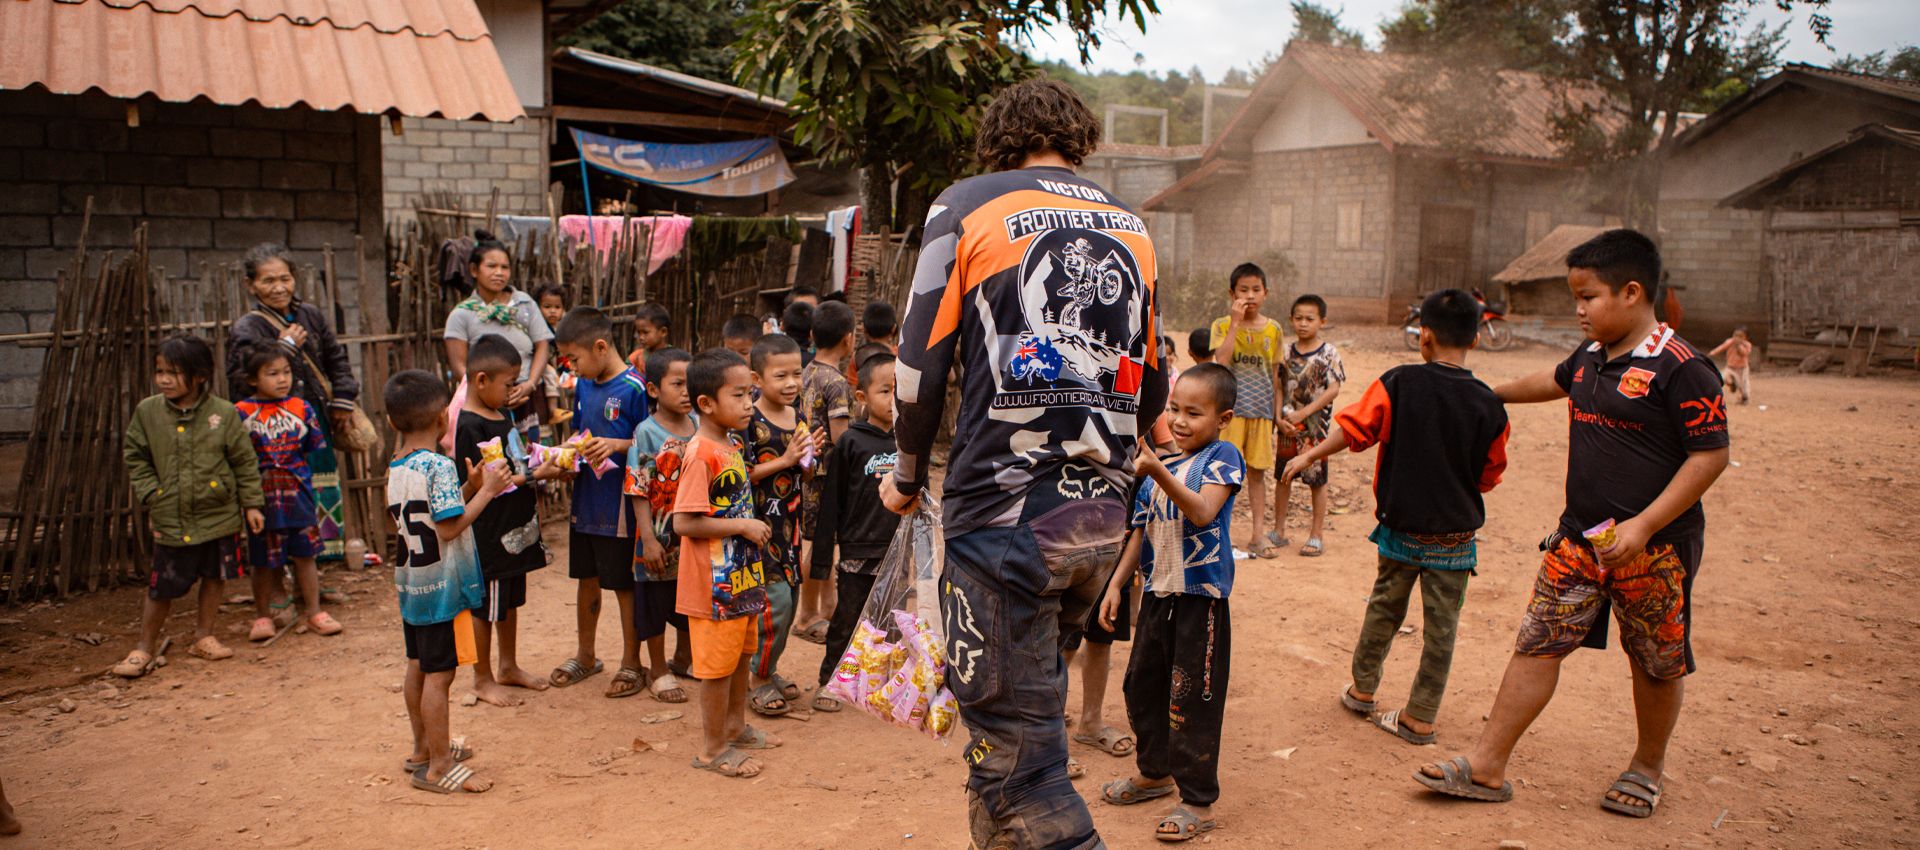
point(1495, 334)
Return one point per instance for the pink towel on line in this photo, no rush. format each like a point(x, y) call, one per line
point(669, 234)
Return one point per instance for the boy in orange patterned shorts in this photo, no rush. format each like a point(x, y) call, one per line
point(1648, 436)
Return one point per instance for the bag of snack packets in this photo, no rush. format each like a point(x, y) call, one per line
point(895, 668)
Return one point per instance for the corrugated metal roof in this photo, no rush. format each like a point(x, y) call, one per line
point(1754, 196)
point(414, 57)
point(1820, 81)
point(1905, 89)
point(420, 17)
point(1363, 80)
point(673, 78)
point(1547, 259)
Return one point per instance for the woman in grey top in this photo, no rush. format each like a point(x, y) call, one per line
point(495, 307)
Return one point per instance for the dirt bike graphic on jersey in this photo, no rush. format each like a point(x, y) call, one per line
point(1071, 283)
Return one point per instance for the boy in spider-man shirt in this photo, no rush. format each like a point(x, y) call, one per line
point(1648, 436)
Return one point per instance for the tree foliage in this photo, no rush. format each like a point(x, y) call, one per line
point(1522, 35)
point(896, 86)
point(1657, 57)
point(690, 36)
point(1182, 94)
point(1320, 25)
point(1904, 64)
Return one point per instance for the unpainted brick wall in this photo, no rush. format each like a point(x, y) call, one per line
point(469, 159)
point(209, 181)
point(1234, 223)
point(1500, 196)
point(1716, 256)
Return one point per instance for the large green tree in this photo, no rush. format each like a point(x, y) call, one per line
point(1657, 57)
point(895, 87)
point(690, 36)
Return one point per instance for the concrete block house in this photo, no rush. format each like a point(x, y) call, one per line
point(1792, 209)
point(219, 124)
point(1324, 168)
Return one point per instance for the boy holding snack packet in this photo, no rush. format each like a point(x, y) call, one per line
point(437, 574)
point(779, 450)
point(507, 533)
point(1184, 554)
point(609, 401)
point(1648, 437)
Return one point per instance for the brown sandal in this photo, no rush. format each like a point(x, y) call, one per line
point(133, 666)
point(210, 648)
point(627, 682)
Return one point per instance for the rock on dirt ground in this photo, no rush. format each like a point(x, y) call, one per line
point(305, 738)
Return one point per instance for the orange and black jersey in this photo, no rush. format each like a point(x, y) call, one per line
point(1039, 286)
point(1634, 419)
point(1443, 442)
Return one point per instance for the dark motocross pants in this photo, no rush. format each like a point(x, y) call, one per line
point(1008, 609)
point(1176, 689)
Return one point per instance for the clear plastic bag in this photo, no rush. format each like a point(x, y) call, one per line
point(894, 667)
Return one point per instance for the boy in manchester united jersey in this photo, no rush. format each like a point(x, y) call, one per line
point(1647, 437)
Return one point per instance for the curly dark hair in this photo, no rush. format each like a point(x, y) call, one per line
point(1037, 115)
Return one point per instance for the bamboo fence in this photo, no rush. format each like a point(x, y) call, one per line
point(75, 527)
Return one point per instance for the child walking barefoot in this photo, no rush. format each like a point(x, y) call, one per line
point(1176, 685)
point(285, 429)
point(507, 533)
point(1739, 372)
point(191, 463)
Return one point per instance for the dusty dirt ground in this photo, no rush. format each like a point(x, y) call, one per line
point(1796, 732)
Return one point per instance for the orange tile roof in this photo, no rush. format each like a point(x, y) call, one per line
point(1547, 259)
point(1363, 80)
point(412, 57)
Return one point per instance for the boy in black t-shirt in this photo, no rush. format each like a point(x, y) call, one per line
point(855, 528)
point(1648, 436)
point(1443, 441)
point(507, 533)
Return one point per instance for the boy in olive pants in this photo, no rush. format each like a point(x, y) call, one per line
point(1443, 441)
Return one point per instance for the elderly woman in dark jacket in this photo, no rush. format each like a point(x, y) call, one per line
point(278, 317)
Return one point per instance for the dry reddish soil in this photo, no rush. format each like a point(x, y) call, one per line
point(1796, 732)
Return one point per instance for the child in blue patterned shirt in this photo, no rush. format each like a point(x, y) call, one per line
point(1184, 553)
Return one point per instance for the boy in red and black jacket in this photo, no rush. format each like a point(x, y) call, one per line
point(1443, 441)
point(1647, 437)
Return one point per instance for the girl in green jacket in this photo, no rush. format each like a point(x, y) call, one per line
point(192, 465)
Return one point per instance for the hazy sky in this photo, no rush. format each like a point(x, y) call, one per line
point(1221, 34)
